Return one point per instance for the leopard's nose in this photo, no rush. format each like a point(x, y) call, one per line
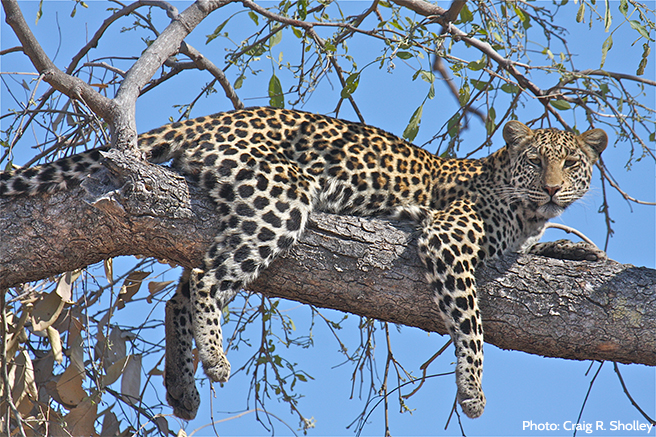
point(552, 189)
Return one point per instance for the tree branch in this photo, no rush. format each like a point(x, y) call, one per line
point(69, 85)
point(370, 267)
point(119, 112)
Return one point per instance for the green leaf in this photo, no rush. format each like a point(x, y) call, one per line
point(624, 7)
point(561, 105)
point(404, 55)
point(427, 76)
point(256, 50)
point(607, 45)
point(478, 84)
point(477, 65)
point(431, 91)
point(525, 18)
point(463, 94)
point(254, 17)
point(330, 47)
point(453, 125)
point(239, 81)
point(351, 85)
point(652, 137)
point(490, 123)
point(510, 88)
point(465, 14)
point(297, 33)
point(276, 97)
point(275, 39)
point(580, 12)
point(395, 24)
point(607, 17)
point(411, 130)
point(640, 28)
point(216, 32)
point(302, 9)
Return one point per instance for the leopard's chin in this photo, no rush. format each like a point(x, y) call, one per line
point(550, 210)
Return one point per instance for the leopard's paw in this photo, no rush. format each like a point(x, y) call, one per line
point(181, 394)
point(218, 370)
point(566, 249)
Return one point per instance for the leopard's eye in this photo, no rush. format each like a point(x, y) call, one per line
point(570, 162)
point(537, 162)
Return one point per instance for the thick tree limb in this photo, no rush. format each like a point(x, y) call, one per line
point(577, 310)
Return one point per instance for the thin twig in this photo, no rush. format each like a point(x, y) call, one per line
point(570, 230)
point(587, 394)
point(628, 395)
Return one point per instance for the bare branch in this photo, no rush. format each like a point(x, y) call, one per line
point(69, 85)
point(205, 64)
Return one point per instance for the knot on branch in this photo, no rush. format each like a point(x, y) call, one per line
point(137, 188)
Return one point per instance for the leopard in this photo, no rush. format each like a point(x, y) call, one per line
point(268, 169)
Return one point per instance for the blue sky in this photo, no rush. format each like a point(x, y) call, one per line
point(519, 387)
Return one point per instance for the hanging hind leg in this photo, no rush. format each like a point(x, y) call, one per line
point(181, 393)
point(254, 236)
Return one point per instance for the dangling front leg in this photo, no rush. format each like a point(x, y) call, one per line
point(181, 393)
point(450, 251)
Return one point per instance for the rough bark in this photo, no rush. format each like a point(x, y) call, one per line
point(576, 310)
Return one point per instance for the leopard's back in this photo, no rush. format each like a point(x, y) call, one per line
point(353, 168)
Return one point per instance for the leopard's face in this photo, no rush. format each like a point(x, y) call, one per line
point(551, 169)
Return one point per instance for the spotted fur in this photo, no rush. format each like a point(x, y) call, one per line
point(269, 169)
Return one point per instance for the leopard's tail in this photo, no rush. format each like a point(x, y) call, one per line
point(51, 177)
point(159, 145)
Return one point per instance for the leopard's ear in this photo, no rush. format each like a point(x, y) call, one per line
point(516, 134)
point(593, 142)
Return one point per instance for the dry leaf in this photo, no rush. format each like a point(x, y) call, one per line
point(155, 287)
point(43, 367)
point(80, 421)
point(46, 310)
point(196, 355)
point(116, 349)
point(155, 371)
point(162, 424)
point(69, 387)
point(114, 371)
point(109, 270)
point(75, 327)
point(130, 287)
point(55, 343)
point(65, 283)
point(76, 352)
point(15, 327)
point(110, 425)
point(21, 377)
point(131, 380)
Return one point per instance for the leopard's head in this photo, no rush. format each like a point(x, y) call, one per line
point(550, 168)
